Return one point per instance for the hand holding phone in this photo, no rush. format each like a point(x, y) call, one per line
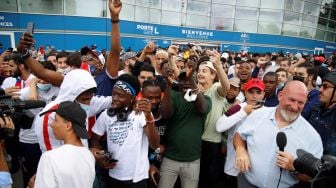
point(154, 174)
point(157, 177)
point(26, 40)
point(109, 157)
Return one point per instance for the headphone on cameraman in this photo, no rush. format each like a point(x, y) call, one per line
point(121, 114)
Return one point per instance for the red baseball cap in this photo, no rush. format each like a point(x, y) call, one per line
point(254, 83)
point(320, 58)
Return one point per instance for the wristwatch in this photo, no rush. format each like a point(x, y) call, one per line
point(157, 150)
point(25, 54)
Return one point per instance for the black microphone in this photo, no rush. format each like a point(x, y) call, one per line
point(30, 104)
point(281, 140)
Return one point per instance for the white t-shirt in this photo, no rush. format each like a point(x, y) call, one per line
point(128, 143)
point(241, 97)
point(66, 166)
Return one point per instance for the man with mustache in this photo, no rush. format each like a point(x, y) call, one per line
point(323, 116)
point(257, 153)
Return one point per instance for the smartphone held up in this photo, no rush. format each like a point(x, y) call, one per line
point(30, 28)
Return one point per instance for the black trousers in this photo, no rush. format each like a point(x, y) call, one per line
point(30, 155)
point(230, 181)
point(212, 164)
point(127, 184)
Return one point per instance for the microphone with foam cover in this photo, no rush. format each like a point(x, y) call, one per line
point(31, 104)
point(281, 140)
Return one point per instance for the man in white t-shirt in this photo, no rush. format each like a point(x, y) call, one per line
point(72, 164)
point(129, 132)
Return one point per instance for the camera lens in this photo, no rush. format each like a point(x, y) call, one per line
point(306, 163)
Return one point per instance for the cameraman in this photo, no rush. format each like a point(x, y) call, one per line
point(6, 129)
point(29, 148)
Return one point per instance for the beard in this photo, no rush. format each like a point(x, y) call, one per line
point(232, 100)
point(130, 67)
point(288, 116)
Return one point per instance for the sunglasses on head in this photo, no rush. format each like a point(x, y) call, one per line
point(86, 58)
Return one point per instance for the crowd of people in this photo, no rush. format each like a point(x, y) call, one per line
point(176, 117)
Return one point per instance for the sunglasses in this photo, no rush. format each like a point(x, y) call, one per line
point(326, 86)
point(86, 58)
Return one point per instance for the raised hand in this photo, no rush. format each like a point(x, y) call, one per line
point(26, 41)
point(149, 48)
point(6, 53)
point(215, 58)
point(169, 76)
point(115, 8)
point(190, 68)
point(172, 50)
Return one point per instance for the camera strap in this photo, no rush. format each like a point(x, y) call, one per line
point(45, 131)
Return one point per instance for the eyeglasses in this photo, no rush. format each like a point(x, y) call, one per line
point(326, 86)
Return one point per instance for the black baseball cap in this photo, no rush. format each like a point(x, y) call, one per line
point(330, 77)
point(72, 112)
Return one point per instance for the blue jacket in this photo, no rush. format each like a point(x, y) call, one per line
point(104, 84)
point(313, 100)
point(324, 121)
point(273, 101)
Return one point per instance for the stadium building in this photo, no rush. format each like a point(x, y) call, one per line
point(307, 26)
